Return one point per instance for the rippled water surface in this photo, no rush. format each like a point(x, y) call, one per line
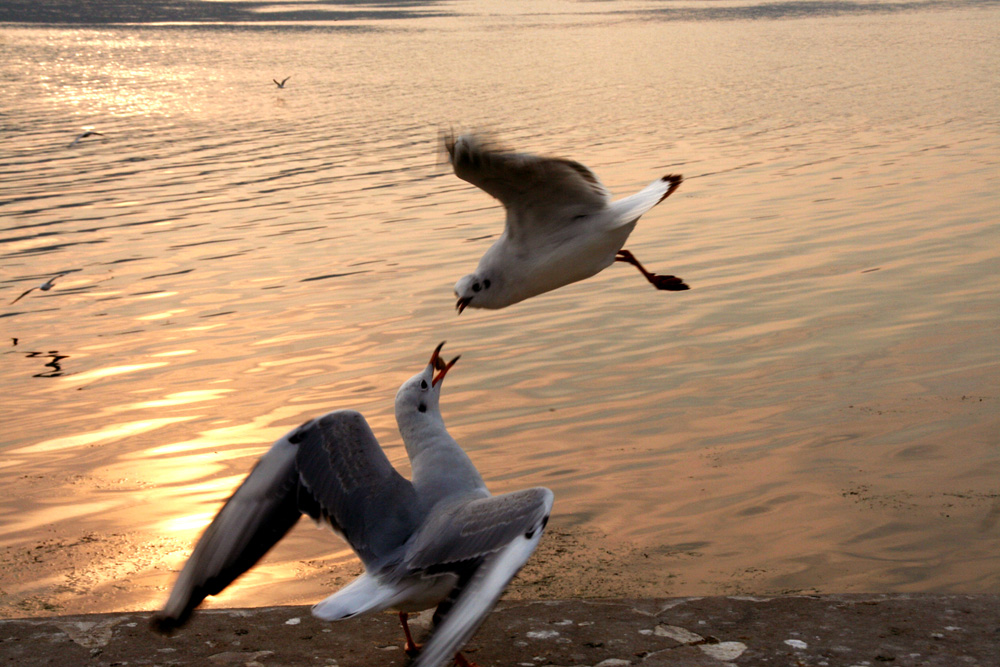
point(819, 413)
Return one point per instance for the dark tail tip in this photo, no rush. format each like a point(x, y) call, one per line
point(675, 181)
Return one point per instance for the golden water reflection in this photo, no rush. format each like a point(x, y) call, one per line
point(109, 433)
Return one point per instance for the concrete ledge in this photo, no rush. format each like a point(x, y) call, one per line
point(833, 630)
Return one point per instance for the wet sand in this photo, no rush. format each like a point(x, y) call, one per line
point(78, 574)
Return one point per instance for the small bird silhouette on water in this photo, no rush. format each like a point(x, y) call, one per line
point(561, 224)
point(282, 84)
point(438, 539)
point(88, 133)
point(45, 287)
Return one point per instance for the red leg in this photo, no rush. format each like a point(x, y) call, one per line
point(669, 283)
point(411, 647)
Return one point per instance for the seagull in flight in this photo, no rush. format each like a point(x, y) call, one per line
point(440, 539)
point(282, 84)
point(45, 287)
point(88, 133)
point(561, 227)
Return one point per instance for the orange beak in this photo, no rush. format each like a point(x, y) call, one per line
point(439, 365)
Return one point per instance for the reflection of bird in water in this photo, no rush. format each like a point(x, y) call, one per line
point(562, 225)
point(441, 539)
point(55, 363)
point(282, 84)
point(45, 287)
point(88, 133)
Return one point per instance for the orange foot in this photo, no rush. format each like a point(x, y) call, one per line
point(411, 648)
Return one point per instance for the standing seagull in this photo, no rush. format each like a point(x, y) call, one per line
point(45, 287)
point(282, 84)
point(440, 539)
point(88, 133)
point(561, 224)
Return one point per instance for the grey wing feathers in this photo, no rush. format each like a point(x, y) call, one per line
point(478, 593)
point(534, 190)
point(261, 511)
point(353, 485)
point(332, 469)
point(472, 530)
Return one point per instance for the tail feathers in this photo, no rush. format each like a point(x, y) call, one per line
point(630, 209)
point(364, 594)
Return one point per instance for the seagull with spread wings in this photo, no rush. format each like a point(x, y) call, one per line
point(84, 135)
point(440, 539)
point(561, 227)
point(45, 287)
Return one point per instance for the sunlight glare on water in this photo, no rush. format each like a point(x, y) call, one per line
point(818, 413)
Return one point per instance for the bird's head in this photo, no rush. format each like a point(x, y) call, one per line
point(417, 399)
point(476, 290)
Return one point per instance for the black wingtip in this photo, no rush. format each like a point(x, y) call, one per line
point(164, 625)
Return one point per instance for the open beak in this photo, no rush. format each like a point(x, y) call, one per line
point(436, 361)
point(462, 304)
point(438, 364)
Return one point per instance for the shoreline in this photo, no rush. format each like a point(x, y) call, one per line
point(857, 629)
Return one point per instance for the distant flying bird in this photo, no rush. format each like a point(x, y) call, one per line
point(282, 84)
point(561, 224)
point(440, 539)
point(88, 133)
point(45, 287)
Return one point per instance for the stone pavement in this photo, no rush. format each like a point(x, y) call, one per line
point(821, 631)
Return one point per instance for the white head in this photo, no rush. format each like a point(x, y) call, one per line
point(417, 400)
point(478, 290)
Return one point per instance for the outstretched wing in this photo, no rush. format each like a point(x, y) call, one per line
point(255, 517)
point(23, 294)
point(486, 542)
point(348, 481)
point(539, 193)
point(331, 468)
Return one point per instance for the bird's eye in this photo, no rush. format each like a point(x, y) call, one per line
point(476, 287)
point(422, 407)
point(486, 283)
point(423, 384)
